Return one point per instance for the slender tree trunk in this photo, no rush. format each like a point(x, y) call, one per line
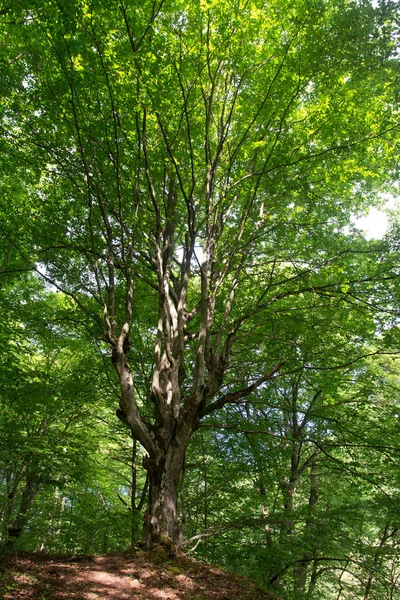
point(313, 580)
point(136, 507)
point(300, 577)
point(386, 534)
point(310, 542)
point(341, 581)
point(15, 528)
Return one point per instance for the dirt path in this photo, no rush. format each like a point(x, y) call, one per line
point(144, 576)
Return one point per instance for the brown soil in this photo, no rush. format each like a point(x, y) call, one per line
point(125, 576)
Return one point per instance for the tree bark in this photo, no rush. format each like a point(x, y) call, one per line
point(161, 519)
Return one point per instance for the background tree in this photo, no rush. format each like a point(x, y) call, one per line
point(65, 482)
point(303, 496)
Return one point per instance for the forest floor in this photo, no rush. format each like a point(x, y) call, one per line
point(123, 576)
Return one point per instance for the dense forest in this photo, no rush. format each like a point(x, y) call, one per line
point(199, 350)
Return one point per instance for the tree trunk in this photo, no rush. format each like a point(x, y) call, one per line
point(386, 534)
point(301, 568)
point(161, 519)
point(313, 580)
point(300, 571)
point(15, 528)
point(136, 506)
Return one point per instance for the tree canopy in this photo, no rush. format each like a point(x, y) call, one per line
point(178, 187)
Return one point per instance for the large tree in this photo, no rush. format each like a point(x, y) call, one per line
point(190, 168)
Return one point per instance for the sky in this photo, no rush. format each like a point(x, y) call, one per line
point(376, 222)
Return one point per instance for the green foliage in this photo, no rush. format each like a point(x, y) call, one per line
point(349, 443)
point(241, 137)
point(58, 448)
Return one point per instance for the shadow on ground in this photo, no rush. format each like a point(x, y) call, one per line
point(125, 576)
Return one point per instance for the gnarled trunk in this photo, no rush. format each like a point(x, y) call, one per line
point(161, 519)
